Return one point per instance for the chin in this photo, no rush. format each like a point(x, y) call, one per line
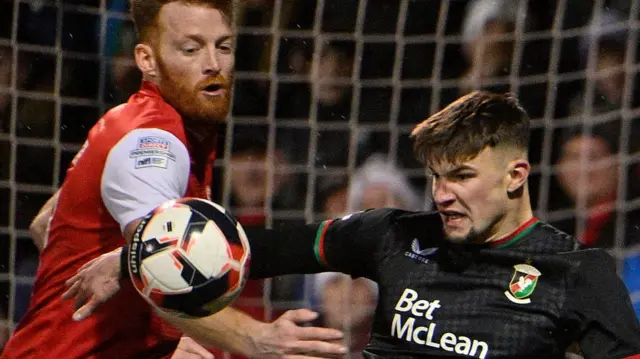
point(456, 237)
point(460, 236)
point(211, 114)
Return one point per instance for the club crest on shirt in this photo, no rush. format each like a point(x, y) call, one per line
point(523, 283)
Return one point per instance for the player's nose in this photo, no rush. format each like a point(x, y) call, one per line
point(442, 194)
point(211, 64)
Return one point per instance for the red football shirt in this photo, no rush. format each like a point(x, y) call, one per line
point(136, 157)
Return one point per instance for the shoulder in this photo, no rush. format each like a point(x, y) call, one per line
point(547, 239)
point(420, 224)
point(390, 217)
point(397, 226)
point(586, 266)
point(143, 111)
point(594, 258)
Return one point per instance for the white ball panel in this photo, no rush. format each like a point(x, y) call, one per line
point(166, 271)
point(148, 279)
point(157, 285)
point(158, 227)
point(209, 250)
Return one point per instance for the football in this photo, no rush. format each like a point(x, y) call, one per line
point(189, 257)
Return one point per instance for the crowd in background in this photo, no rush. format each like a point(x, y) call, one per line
point(310, 143)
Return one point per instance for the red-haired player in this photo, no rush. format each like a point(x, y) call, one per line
point(160, 145)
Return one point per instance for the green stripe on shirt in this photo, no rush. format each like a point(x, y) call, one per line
point(318, 247)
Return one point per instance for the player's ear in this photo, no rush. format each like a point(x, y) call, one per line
point(146, 59)
point(519, 170)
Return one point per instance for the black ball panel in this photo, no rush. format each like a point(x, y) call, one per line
point(189, 272)
point(194, 302)
point(226, 223)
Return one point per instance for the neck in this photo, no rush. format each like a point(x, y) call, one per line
point(518, 214)
point(199, 132)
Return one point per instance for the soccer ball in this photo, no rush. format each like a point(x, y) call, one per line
point(189, 257)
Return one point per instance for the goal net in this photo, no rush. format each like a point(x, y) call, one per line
point(326, 94)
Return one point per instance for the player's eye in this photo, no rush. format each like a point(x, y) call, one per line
point(463, 176)
point(225, 48)
point(190, 50)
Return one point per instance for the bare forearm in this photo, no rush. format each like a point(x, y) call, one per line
point(229, 330)
point(40, 224)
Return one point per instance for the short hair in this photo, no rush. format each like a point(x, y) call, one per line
point(467, 126)
point(145, 12)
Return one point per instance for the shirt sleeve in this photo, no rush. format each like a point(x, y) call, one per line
point(354, 244)
point(599, 309)
point(144, 169)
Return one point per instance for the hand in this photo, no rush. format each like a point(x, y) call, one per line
point(285, 338)
point(95, 283)
point(190, 349)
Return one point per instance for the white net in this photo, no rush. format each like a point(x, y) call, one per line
point(321, 86)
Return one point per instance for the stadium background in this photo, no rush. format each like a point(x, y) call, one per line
point(327, 92)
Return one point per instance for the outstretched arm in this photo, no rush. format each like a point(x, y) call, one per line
point(352, 244)
point(236, 332)
point(229, 329)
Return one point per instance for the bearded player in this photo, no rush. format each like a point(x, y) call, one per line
point(160, 145)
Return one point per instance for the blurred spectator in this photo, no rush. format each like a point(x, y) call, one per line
point(347, 303)
point(122, 76)
point(489, 53)
point(489, 47)
point(334, 68)
point(588, 172)
point(249, 193)
point(249, 170)
point(378, 183)
point(608, 35)
point(334, 200)
point(331, 83)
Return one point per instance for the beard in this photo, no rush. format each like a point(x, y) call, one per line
point(190, 102)
point(474, 235)
point(471, 237)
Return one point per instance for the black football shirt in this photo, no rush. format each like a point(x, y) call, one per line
point(529, 295)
